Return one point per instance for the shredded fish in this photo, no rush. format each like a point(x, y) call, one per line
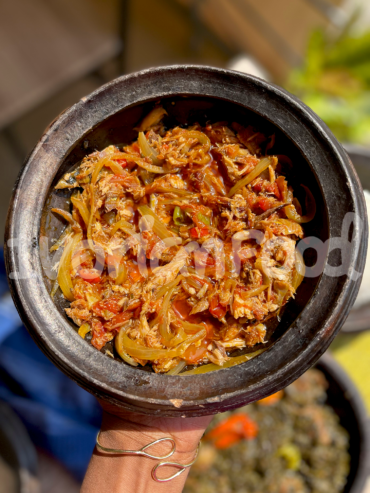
point(180, 245)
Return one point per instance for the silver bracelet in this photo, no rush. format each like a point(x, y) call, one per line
point(142, 452)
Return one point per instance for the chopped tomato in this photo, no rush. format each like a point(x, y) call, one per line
point(122, 162)
point(113, 261)
point(100, 336)
point(273, 188)
point(232, 150)
point(181, 309)
point(118, 320)
point(258, 186)
point(134, 306)
point(90, 275)
point(264, 203)
point(144, 200)
point(136, 148)
point(111, 305)
point(210, 328)
point(198, 232)
point(151, 240)
point(133, 272)
point(216, 309)
point(195, 354)
point(203, 257)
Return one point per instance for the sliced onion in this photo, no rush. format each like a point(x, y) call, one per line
point(178, 368)
point(248, 234)
point(120, 271)
point(82, 209)
point(259, 265)
point(98, 167)
point(133, 158)
point(180, 337)
point(164, 289)
point(190, 328)
point(281, 288)
point(154, 187)
point(125, 226)
point(153, 118)
point(292, 214)
point(158, 227)
point(84, 330)
point(141, 352)
point(200, 136)
point(254, 292)
point(61, 238)
point(118, 344)
point(150, 167)
point(261, 166)
point(68, 217)
point(54, 289)
point(166, 336)
point(115, 167)
point(64, 271)
point(229, 363)
point(147, 150)
point(290, 227)
point(91, 218)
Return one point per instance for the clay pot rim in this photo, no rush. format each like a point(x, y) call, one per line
point(125, 386)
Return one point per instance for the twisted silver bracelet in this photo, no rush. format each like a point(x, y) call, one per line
point(142, 452)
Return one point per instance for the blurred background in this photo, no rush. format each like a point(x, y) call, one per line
point(53, 52)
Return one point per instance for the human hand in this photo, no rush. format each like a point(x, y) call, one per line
point(130, 431)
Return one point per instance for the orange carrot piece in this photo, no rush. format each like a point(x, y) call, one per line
point(271, 399)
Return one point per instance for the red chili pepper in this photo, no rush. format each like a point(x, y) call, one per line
point(90, 275)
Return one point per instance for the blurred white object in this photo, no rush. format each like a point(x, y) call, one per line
point(363, 21)
point(364, 294)
point(248, 65)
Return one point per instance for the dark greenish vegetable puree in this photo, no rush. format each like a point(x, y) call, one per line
point(300, 447)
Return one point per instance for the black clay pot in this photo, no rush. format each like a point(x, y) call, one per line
point(343, 396)
point(359, 318)
point(189, 93)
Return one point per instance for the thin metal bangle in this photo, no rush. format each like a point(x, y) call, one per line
point(182, 468)
point(142, 453)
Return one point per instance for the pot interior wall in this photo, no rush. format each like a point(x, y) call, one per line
point(119, 129)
